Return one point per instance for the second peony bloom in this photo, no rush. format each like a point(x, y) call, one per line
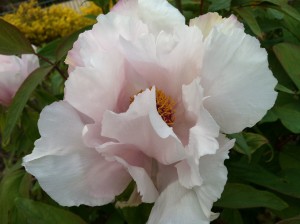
point(150, 99)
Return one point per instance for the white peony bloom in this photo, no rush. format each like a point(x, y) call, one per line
point(149, 99)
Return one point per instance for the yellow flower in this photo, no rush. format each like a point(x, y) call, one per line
point(41, 25)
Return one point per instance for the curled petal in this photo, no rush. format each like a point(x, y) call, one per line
point(213, 184)
point(66, 169)
point(237, 80)
point(138, 165)
point(157, 14)
point(154, 138)
point(202, 136)
point(92, 91)
point(177, 205)
point(213, 20)
point(156, 58)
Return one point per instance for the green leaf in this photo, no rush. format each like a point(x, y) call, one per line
point(21, 98)
point(289, 158)
point(231, 216)
point(115, 218)
point(269, 117)
point(289, 10)
point(219, 4)
point(294, 220)
point(136, 215)
point(12, 41)
point(289, 115)
point(15, 183)
point(243, 196)
point(247, 142)
point(49, 50)
point(247, 14)
point(37, 213)
point(287, 183)
point(289, 57)
point(292, 25)
point(293, 209)
point(284, 89)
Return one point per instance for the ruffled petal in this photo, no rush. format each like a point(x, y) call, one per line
point(188, 173)
point(214, 175)
point(177, 205)
point(139, 166)
point(156, 58)
point(213, 20)
point(237, 80)
point(157, 14)
point(154, 137)
point(202, 136)
point(102, 42)
point(66, 169)
point(92, 91)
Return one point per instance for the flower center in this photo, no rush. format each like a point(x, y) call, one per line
point(164, 105)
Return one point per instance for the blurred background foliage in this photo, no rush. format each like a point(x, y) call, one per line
point(264, 166)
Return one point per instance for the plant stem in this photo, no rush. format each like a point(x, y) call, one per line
point(54, 65)
point(201, 6)
point(178, 5)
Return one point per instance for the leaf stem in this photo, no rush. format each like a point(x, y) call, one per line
point(178, 5)
point(53, 64)
point(201, 6)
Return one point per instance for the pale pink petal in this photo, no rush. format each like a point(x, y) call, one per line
point(93, 91)
point(177, 205)
point(202, 136)
point(145, 185)
point(157, 14)
point(213, 20)
point(214, 175)
point(166, 174)
point(66, 169)
point(154, 137)
point(102, 42)
point(237, 80)
point(13, 71)
point(188, 173)
point(91, 134)
point(139, 166)
point(156, 58)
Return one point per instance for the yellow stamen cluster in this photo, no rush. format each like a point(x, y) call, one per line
point(165, 106)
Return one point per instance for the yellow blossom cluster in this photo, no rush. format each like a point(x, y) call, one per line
point(41, 25)
point(91, 9)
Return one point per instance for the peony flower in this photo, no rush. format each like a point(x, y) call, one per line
point(13, 71)
point(149, 100)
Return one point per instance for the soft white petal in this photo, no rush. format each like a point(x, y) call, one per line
point(237, 80)
point(66, 169)
point(92, 91)
point(177, 205)
point(169, 60)
point(157, 14)
point(154, 137)
point(102, 42)
point(214, 175)
point(138, 165)
point(188, 173)
point(213, 20)
point(202, 136)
